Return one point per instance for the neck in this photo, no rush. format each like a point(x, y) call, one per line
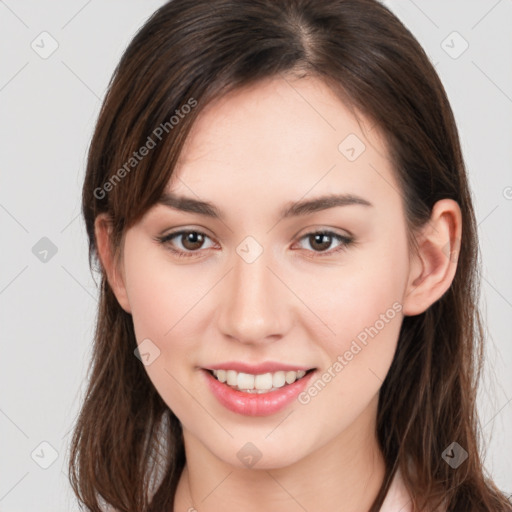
point(345, 474)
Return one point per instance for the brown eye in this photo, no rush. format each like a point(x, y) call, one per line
point(185, 243)
point(321, 241)
point(192, 240)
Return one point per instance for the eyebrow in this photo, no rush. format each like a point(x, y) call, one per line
point(292, 209)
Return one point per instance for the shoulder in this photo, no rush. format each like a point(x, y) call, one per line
point(398, 498)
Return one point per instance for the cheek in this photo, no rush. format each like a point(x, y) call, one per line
point(162, 303)
point(159, 293)
point(362, 301)
point(365, 312)
point(166, 302)
point(150, 299)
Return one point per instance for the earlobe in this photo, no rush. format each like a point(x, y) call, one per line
point(112, 268)
point(433, 267)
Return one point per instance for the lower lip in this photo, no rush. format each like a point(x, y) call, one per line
point(256, 404)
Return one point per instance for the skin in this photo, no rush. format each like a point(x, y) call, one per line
point(251, 153)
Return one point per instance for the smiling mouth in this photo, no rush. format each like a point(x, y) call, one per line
point(258, 384)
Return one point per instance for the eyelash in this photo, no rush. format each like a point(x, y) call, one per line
point(345, 242)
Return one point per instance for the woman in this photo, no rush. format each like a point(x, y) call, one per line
point(278, 204)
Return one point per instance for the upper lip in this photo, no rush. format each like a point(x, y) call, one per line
point(258, 369)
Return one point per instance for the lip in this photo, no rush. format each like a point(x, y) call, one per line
point(253, 404)
point(258, 369)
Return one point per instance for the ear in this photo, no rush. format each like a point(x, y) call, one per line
point(110, 263)
point(432, 270)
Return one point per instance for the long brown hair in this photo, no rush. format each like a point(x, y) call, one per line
point(190, 52)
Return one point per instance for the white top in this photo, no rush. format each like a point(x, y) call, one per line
point(397, 498)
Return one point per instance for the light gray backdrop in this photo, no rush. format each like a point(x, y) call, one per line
point(57, 58)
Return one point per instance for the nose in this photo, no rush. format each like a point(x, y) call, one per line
point(253, 304)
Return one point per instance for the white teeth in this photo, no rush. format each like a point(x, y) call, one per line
point(290, 377)
point(278, 380)
point(231, 377)
point(221, 375)
point(245, 381)
point(263, 381)
point(258, 383)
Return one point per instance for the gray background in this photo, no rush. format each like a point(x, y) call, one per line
point(48, 107)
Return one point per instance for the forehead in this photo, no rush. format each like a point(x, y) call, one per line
point(280, 139)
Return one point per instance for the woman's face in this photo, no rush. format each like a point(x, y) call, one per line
point(256, 292)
